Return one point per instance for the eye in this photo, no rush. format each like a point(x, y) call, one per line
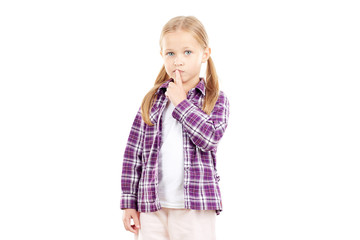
point(168, 53)
point(188, 51)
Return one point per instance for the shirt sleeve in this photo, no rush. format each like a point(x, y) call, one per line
point(132, 164)
point(205, 131)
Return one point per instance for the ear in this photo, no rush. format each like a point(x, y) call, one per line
point(206, 54)
point(161, 53)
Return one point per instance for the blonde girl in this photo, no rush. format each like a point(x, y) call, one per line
point(169, 179)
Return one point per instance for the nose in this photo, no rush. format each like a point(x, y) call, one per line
point(178, 62)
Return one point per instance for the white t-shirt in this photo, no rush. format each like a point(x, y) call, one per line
point(171, 161)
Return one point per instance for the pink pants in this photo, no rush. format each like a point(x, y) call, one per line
point(177, 224)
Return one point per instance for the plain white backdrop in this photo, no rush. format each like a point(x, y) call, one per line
point(73, 74)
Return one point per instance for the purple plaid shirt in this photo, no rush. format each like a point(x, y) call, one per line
point(201, 135)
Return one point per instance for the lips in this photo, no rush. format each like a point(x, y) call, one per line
point(179, 70)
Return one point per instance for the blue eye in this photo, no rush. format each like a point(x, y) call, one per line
point(185, 52)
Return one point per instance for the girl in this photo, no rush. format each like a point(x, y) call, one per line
point(169, 179)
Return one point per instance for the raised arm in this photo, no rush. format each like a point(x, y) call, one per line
point(204, 131)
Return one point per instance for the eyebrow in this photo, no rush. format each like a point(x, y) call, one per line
point(173, 49)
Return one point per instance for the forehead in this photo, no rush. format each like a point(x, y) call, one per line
point(179, 40)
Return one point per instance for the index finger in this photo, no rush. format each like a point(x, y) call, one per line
point(177, 77)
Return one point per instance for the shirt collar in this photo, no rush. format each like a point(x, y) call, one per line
point(200, 85)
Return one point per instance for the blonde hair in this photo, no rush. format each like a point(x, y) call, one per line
point(192, 25)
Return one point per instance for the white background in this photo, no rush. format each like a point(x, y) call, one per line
point(73, 74)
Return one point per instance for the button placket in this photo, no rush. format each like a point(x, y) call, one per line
point(186, 168)
point(217, 177)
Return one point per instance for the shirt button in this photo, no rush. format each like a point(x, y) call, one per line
point(187, 168)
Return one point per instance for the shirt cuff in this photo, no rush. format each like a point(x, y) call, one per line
point(181, 110)
point(128, 201)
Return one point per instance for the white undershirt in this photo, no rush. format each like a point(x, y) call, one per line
point(171, 161)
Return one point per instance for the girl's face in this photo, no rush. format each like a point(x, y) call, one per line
point(180, 50)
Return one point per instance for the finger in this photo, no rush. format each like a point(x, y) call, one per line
point(178, 77)
point(137, 220)
point(134, 229)
point(128, 227)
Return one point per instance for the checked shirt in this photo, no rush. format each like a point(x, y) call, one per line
point(201, 136)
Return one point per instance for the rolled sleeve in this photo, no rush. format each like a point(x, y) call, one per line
point(205, 131)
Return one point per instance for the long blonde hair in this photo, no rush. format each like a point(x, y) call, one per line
point(192, 25)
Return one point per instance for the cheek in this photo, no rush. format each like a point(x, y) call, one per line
point(196, 61)
point(195, 64)
point(167, 63)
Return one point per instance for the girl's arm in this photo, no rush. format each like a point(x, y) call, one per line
point(204, 131)
point(132, 164)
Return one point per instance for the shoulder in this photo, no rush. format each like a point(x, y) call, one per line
point(138, 117)
point(222, 106)
point(222, 100)
point(223, 95)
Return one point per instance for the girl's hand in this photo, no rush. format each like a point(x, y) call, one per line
point(175, 91)
point(135, 215)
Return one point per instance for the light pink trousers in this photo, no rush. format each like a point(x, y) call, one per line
point(177, 224)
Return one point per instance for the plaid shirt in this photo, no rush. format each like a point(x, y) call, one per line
point(201, 135)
